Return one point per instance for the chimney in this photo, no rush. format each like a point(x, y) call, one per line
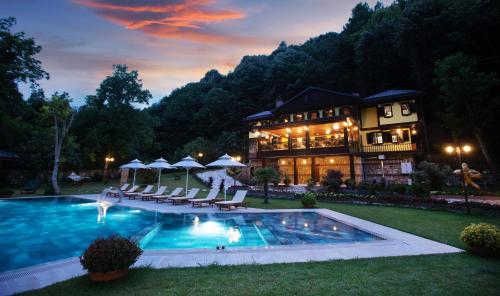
point(279, 102)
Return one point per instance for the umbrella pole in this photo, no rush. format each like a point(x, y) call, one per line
point(135, 171)
point(187, 176)
point(159, 176)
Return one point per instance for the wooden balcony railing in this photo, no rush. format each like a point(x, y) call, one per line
point(390, 148)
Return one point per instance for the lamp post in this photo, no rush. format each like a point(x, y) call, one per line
point(458, 151)
point(107, 160)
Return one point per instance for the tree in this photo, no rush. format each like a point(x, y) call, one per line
point(121, 88)
point(17, 65)
point(108, 124)
point(264, 176)
point(63, 114)
point(467, 90)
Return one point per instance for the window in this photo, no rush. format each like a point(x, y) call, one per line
point(329, 113)
point(346, 111)
point(375, 138)
point(298, 117)
point(405, 109)
point(387, 110)
point(314, 115)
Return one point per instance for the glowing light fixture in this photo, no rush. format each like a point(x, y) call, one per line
point(331, 160)
point(335, 126)
point(449, 149)
point(467, 148)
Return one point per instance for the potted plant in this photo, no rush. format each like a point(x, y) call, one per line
point(107, 259)
point(308, 200)
point(483, 239)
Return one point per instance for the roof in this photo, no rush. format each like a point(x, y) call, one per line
point(309, 99)
point(8, 155)
point(260, 115)
point(391, 94)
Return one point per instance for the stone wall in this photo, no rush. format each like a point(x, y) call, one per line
point(372, 168)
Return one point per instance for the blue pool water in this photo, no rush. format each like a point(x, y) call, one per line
point(39, 230)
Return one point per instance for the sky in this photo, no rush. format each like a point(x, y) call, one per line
point(170, 42)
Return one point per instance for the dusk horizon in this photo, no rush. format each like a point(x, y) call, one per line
point(170, 43)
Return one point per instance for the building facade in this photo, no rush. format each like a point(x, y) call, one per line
point(370, 138)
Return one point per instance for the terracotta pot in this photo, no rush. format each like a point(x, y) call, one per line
point(107, 276)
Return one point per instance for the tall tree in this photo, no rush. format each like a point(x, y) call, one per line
point(63, 114)
point(17, 65)
point(467, 90)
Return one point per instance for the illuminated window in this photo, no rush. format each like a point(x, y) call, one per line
point(405, 109)
point(387, 110)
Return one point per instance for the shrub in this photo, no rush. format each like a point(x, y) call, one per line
point(432, 175)
point(97, 177)
point(333, 180)
point(6, 192)
point(287, 180)
point(482, 238)
point(308, 199)
point(222, 185)
point(419, 190)
point(310, 183)
point(110, 254)
point(49, 189)
point(210, 182)
point(398, 188)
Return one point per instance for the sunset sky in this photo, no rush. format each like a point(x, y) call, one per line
point(170, 42)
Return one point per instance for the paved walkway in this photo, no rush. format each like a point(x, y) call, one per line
point(494, 200)
point(394, 243)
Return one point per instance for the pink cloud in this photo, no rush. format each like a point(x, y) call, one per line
point(183, 19)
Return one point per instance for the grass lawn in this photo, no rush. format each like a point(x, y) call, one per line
point(172, 180)
point(454, 274)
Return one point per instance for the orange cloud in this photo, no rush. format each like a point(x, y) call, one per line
point(184, 19)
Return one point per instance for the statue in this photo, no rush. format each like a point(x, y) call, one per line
point(469, 175)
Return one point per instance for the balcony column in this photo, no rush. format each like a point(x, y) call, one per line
point(352, 168)
point(313, 169)
point(346, 137)
point(289, 142)
point(308, 140)
point(295, 172)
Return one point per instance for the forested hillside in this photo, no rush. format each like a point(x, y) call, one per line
point(399, 46)
point(448, 49)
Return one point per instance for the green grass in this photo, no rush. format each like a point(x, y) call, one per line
point(168, 179)
point(452, 274)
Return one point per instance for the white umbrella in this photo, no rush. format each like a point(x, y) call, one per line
point(188, 163)
point(160, 164)
point(135, 165)
point(226, 161)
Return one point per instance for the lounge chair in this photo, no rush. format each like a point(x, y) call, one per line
point(31, 187)
point(161, 198)
point(131, 190)
point(148, 196)
point(133, 195)
point(183, 199)
point(238, 200)
point(115, 193)
point(209, 200)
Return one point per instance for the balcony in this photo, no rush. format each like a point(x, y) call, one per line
point(390, 148)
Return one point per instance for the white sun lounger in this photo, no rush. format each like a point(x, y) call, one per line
point(161, 198)
point(133, 195)
point(182, 199)
point(210, 199)
point(148, 196)
point(238, 200)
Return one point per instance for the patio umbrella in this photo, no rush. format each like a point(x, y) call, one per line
point(160, 164)
point(226, 161)
point(135, 165)
point(188, 163)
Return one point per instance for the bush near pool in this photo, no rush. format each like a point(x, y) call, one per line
point(308, 200)
point(110, 255)
point(482, 238)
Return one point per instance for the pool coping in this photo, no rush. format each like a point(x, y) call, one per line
point(394, 243)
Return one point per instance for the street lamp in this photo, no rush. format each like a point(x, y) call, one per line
point(458, 151)
point(107, 160)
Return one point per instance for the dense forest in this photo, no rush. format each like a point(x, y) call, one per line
point(448, 49)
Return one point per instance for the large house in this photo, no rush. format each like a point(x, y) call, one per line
point(366, 138)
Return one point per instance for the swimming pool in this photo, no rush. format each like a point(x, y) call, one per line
point(39, 230)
